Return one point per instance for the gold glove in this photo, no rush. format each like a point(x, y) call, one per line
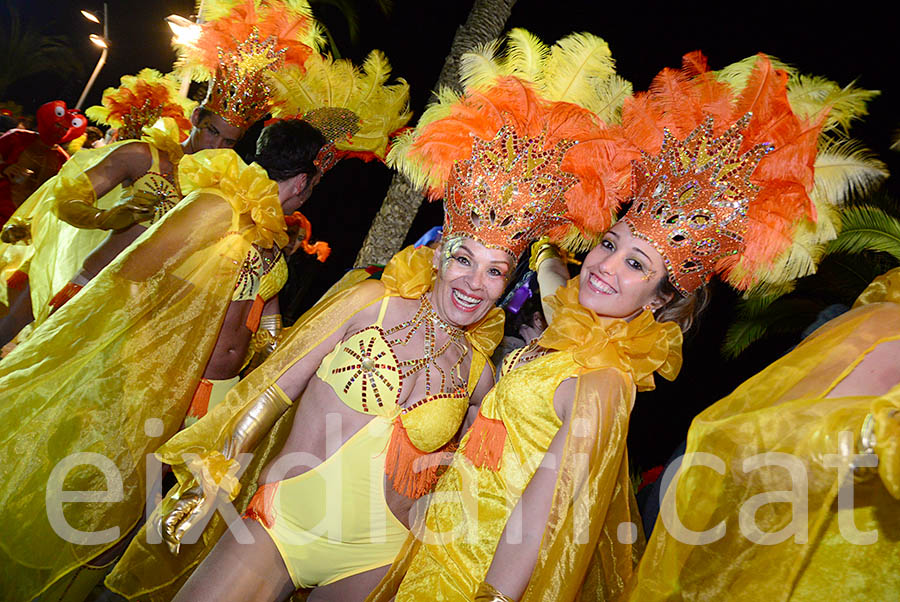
point(193, 501)
point(17, 229)
point(118, 217)
point(256, 421)
point(189, 508)
point(487, 593)
point(543, 249)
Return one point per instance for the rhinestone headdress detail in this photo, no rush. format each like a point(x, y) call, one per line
point(522, 153)
point(691, 199)
point(241, 45)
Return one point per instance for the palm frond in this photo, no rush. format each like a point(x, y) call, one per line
point(867, 229)
point(761, 317)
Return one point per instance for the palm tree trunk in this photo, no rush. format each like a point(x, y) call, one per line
point(486, 22)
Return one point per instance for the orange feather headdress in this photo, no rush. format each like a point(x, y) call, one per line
point(241, 42)
point(140, 101)
point(518, 155)
point(725, 184)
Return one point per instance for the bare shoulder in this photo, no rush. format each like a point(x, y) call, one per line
point(876, 374)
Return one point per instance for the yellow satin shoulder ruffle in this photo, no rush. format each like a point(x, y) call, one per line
point(885, 288)
point(246, 187)
point(410, 274)
point(165, 135)
point(638, 347)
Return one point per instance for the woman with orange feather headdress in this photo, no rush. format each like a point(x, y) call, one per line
point(537, 503)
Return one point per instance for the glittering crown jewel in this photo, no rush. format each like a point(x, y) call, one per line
point(509, 192)
point(239, 92)
point(335, 123)
point(690, 200)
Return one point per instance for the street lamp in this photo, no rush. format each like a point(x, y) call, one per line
point(103, 43)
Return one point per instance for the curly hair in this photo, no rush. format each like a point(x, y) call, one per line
point(684, 311)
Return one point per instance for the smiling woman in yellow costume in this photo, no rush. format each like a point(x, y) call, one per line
point(548, 447)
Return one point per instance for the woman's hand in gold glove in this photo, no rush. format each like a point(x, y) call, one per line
point(187, 512)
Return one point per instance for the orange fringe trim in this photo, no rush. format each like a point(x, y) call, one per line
point(486, 440)
point(17, 280)
point(200, 402)
point(65, 295)
point(260, 507)
point(413, 473)
point(255, 313)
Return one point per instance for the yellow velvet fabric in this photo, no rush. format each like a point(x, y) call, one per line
point(784, 410)
point(112, 374)
point(580, 553)
point(147, 570)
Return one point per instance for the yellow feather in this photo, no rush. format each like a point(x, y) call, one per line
point(573, 63)
point(844, 168)
point(526, 55)
point(808, 95)
point(610, 95)
point(480, 66)
point(737, 74)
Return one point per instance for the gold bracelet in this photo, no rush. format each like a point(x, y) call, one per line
point(488, 593)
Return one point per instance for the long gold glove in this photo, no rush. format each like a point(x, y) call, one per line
point(193, 501)
point(17, 229)
point(118, 217)
point(487, 593)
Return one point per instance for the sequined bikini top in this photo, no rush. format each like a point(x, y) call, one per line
point(159, 185)
point(367, 376)
point(260, 275)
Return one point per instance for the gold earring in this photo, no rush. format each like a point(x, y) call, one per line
point(648, 307)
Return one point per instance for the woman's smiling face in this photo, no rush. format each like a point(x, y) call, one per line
point(471, 277)
point(621, 275)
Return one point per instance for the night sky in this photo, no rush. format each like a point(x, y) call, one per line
point(644, 37)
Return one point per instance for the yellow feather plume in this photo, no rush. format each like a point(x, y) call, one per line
point(809, 95)
point(381, 108)
point(573, 63)
point(610, 95)
point(526, 55)
point(737, 74)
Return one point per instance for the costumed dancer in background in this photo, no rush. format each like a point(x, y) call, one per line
point(28, 159)
point(119, 189)
point(369, 359)
point(722, 186)
point(111, 375)
point(100, 357)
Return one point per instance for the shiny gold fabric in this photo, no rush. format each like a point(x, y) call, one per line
point(147, 570)
point(59, 249)
point(112, 374)
point(580, 554)
point(784, 410)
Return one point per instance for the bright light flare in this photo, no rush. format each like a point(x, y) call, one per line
point(185, 31)
point(90, 16)
point(99, 41)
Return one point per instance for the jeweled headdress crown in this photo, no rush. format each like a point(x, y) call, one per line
point(727, 181)
point(240, 45)
point(355, 109)
point(521, 153)
point(140, 101)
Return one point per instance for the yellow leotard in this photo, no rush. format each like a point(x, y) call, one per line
point(320, 545)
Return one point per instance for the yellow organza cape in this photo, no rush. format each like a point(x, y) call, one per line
point(109, 377)
point(581, 556)
point(147, 570)
point(58, 249)
point(784, 410)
